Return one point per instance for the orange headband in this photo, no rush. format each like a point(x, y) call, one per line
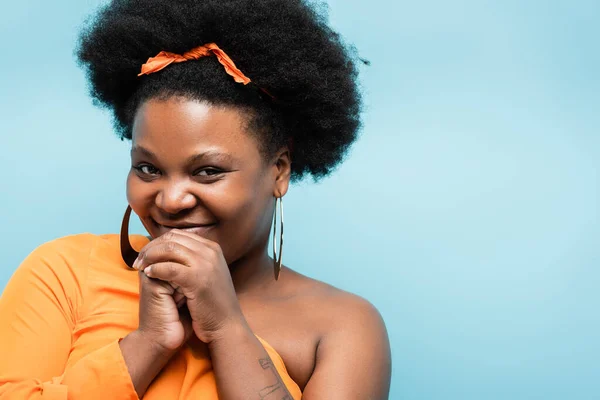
point(164, 59)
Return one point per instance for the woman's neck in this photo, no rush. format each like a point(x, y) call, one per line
point(252, 273)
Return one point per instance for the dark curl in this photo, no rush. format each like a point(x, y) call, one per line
point(283, 46)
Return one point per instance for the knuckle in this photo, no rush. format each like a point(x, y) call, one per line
point(170, 247)
point(218, 255)
point(215, 247)
point(168, 236)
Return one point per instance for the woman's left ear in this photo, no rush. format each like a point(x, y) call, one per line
point(283, 168)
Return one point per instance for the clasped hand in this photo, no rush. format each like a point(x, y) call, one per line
point(177, 269)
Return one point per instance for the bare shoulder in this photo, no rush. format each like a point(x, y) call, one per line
point(352, 354)
point(335, 309)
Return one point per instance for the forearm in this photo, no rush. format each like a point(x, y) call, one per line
point(143, 359)
point(99, 375)
point(243, 368)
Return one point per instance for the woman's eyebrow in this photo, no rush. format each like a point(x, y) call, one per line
point(209, 154)
point(143, 150)
point(212, 155)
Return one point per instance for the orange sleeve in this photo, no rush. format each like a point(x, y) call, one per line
point(39, 309)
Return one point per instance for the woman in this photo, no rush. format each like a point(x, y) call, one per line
point(225, 103)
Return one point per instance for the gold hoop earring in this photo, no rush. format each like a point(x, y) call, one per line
point(128, 253)
point(277, 257)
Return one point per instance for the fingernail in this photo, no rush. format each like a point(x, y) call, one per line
point(148, 271)
point(135, 263)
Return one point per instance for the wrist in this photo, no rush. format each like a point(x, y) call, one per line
point(144, 360)
point(231, 333)
point(142, 341)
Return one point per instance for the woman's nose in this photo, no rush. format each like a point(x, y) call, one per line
point(175, 197)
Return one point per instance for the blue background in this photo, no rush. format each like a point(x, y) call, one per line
point(467, 212)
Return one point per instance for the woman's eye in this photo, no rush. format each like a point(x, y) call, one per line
point(208, 172)
point(147, 169)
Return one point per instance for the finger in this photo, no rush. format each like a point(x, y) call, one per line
point(171, 272)
point(193, 236)
point(184, 237)
point(164, 251)
point(194, 241)
point(162, 288)
point(165, 242)
point(158, 287)
point(179, 246)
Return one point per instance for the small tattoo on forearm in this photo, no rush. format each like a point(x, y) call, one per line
point(277, 391)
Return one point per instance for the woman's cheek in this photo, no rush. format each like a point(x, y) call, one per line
point(132, 192)
point(138, 194)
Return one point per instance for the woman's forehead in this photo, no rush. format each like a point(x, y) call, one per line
point(179, 126)
point(181, 120)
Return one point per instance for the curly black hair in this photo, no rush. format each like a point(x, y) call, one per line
point(284, 46)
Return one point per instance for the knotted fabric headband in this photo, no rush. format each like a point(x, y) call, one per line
point(165, 58)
